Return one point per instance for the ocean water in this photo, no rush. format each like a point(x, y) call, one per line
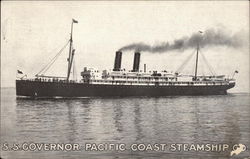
point(189, 120)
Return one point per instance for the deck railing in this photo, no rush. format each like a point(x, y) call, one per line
point(122, 82)
point(189, 83)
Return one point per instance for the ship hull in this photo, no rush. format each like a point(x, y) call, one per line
point(58, 89)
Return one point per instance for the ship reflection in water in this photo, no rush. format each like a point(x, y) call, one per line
point(184, 119)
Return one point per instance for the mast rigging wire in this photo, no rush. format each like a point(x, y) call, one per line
point(185, 62)
point(51, 62)
point(211, 70)
point(209, 66)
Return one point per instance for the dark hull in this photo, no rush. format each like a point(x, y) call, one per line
point(57, 89)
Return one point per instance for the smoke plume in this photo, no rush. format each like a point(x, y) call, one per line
point(210, 37)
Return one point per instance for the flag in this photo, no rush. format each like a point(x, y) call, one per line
point(74, 21)
point(236, 71)
point(19, 72)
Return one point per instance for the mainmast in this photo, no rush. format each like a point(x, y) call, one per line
point(71, 52)
point(196, 62)
point(197, 57)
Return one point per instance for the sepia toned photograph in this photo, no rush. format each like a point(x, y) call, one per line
point(125, 79)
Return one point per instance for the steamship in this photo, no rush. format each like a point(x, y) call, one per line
point(119, 82)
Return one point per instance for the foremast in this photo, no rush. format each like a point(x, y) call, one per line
point(71, 50)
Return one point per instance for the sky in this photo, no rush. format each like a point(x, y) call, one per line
point(32, 33)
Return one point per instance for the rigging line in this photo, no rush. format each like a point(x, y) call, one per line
point(201, 66)
point(193, 68)
point(72, 60)
point(74, 68)
point(209, 66)
point(185, 62)
point(53, 59)
point(48, 65)
point(74, 71)
point(202, 70)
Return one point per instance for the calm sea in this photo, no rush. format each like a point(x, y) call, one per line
point(189, 120)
